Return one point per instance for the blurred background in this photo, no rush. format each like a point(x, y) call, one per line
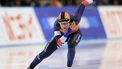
point(26, 26)
point(45, 3)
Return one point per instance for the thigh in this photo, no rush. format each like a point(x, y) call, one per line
point(74, 39)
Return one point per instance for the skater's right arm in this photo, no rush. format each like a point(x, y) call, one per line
point(56, 28)
point(57, 33)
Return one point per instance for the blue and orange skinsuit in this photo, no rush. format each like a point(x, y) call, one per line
point(72, 40)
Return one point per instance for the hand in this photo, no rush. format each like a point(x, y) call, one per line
point(88, 2)
point(59, 42)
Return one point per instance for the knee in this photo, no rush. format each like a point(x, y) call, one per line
point(71, 45)
point(42, 55)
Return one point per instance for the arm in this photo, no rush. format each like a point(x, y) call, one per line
point(77, 19)
point(79, 13)
point(81, 8)
point(56, 28)
point(63, 38)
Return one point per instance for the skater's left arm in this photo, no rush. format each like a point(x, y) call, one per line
point(77, 16)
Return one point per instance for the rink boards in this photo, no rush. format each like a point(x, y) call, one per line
point(26, 25)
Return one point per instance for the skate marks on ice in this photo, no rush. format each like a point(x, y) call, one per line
point(112, 58)
point(96, 55)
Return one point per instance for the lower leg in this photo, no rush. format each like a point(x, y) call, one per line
point(70, 56)
point(36, 61)
point(49, 49)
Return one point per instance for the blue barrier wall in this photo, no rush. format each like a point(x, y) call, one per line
point(94, 30)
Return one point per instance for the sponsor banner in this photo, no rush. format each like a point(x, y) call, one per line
point(90, 24)
point(112, 20)
point(2, 38)
point(19, 25)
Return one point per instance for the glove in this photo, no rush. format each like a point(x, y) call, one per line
point(61, 41)
point(88, 2)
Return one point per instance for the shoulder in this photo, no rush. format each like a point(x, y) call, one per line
point(56, 23)
point(72, 18)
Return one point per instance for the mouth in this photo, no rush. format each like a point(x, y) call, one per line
point(65, 28)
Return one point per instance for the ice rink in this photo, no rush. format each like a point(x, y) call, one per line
point(90, 54)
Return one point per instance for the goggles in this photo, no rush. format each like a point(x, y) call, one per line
point(63, 21)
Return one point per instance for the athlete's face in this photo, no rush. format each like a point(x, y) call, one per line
point(64, 25)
